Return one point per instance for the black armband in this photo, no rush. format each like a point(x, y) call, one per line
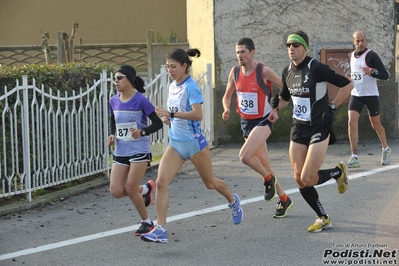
point(112, 125)
point(156, 124)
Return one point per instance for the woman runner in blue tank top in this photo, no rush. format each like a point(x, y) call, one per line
point(186, 141)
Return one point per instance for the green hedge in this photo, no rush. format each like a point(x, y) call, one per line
point(64, 77)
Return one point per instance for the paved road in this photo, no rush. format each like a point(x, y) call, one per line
point(91, 228)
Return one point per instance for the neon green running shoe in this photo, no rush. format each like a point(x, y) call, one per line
point(320, 224)
point(342, 181)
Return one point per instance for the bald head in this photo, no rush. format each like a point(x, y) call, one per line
point(359, 40)
point(358, 34)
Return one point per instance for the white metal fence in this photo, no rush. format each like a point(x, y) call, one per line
point(49, 139)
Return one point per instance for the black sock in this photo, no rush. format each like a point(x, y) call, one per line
point(327, 174)
point(312, 198)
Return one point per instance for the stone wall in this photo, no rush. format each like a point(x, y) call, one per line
point(268, 23)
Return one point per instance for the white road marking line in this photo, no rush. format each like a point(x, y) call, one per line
point(170, 219)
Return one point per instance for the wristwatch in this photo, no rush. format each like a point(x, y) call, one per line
point(142, 132)
point(333, 107)
point(172, 113)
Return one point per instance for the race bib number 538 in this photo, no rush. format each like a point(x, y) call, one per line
point(248, 102)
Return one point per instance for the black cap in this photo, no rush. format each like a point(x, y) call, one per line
point(128, 71)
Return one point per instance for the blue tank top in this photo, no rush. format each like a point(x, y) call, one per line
point(181, 98)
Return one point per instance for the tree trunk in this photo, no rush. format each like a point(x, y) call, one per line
point(65, 39)
point(45, 47)
point(72, 42)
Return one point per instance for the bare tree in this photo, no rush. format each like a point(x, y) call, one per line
point(45, 47)
point(65, 41)
point(72, 42)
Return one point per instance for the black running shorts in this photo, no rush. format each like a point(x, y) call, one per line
point(248, 125)
point(309, 135)
point(372, 103)
point(139, 157)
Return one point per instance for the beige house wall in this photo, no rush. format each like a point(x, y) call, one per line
point(268, 23)
point(200, 34)
point(100, 21)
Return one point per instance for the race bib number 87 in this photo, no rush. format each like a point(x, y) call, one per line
point(123, 131)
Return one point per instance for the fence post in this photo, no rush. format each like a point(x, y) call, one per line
point(25, 138)
point(104, 88)
point(208, 86)
point(165, 93)
point(150, 54)
point(60, 48)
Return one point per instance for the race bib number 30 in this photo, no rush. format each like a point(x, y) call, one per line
point(248, 102)
point(123, 131)
point(301, 108)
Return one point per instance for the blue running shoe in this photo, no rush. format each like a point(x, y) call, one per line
point(157, 235)
point(236, 212)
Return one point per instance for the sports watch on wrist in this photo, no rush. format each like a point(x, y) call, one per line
point(142, 132)
point(333, 107)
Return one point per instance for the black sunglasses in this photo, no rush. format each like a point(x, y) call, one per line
point(294, 44)
point(120, 77)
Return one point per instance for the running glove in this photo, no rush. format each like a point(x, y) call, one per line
point(275, 101)
point(328, 116)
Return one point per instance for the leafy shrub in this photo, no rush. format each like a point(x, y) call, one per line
point(64, 77)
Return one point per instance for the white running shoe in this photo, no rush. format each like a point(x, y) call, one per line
point(386, 157)
point(353, 162)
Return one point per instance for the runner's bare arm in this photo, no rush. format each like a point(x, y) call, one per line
point(226, 101)
point(271, 76)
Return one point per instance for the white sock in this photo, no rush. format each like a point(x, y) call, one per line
point(148, 220)
point(163, 228)
point(354, 155)
point(385, 149)
point(145, 190)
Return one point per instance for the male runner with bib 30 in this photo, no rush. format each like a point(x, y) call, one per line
point(305, 83)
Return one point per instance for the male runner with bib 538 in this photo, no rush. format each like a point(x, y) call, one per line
point(252, 83)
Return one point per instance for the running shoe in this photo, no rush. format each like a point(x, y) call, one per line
point(386, 157)
point(236, 211)
point(342, 181)
point(270, 188)
point(353, 162)
point(320, 224)
point(144, 228)
point(148, 196)
point(158, 235)
point(283, 208)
